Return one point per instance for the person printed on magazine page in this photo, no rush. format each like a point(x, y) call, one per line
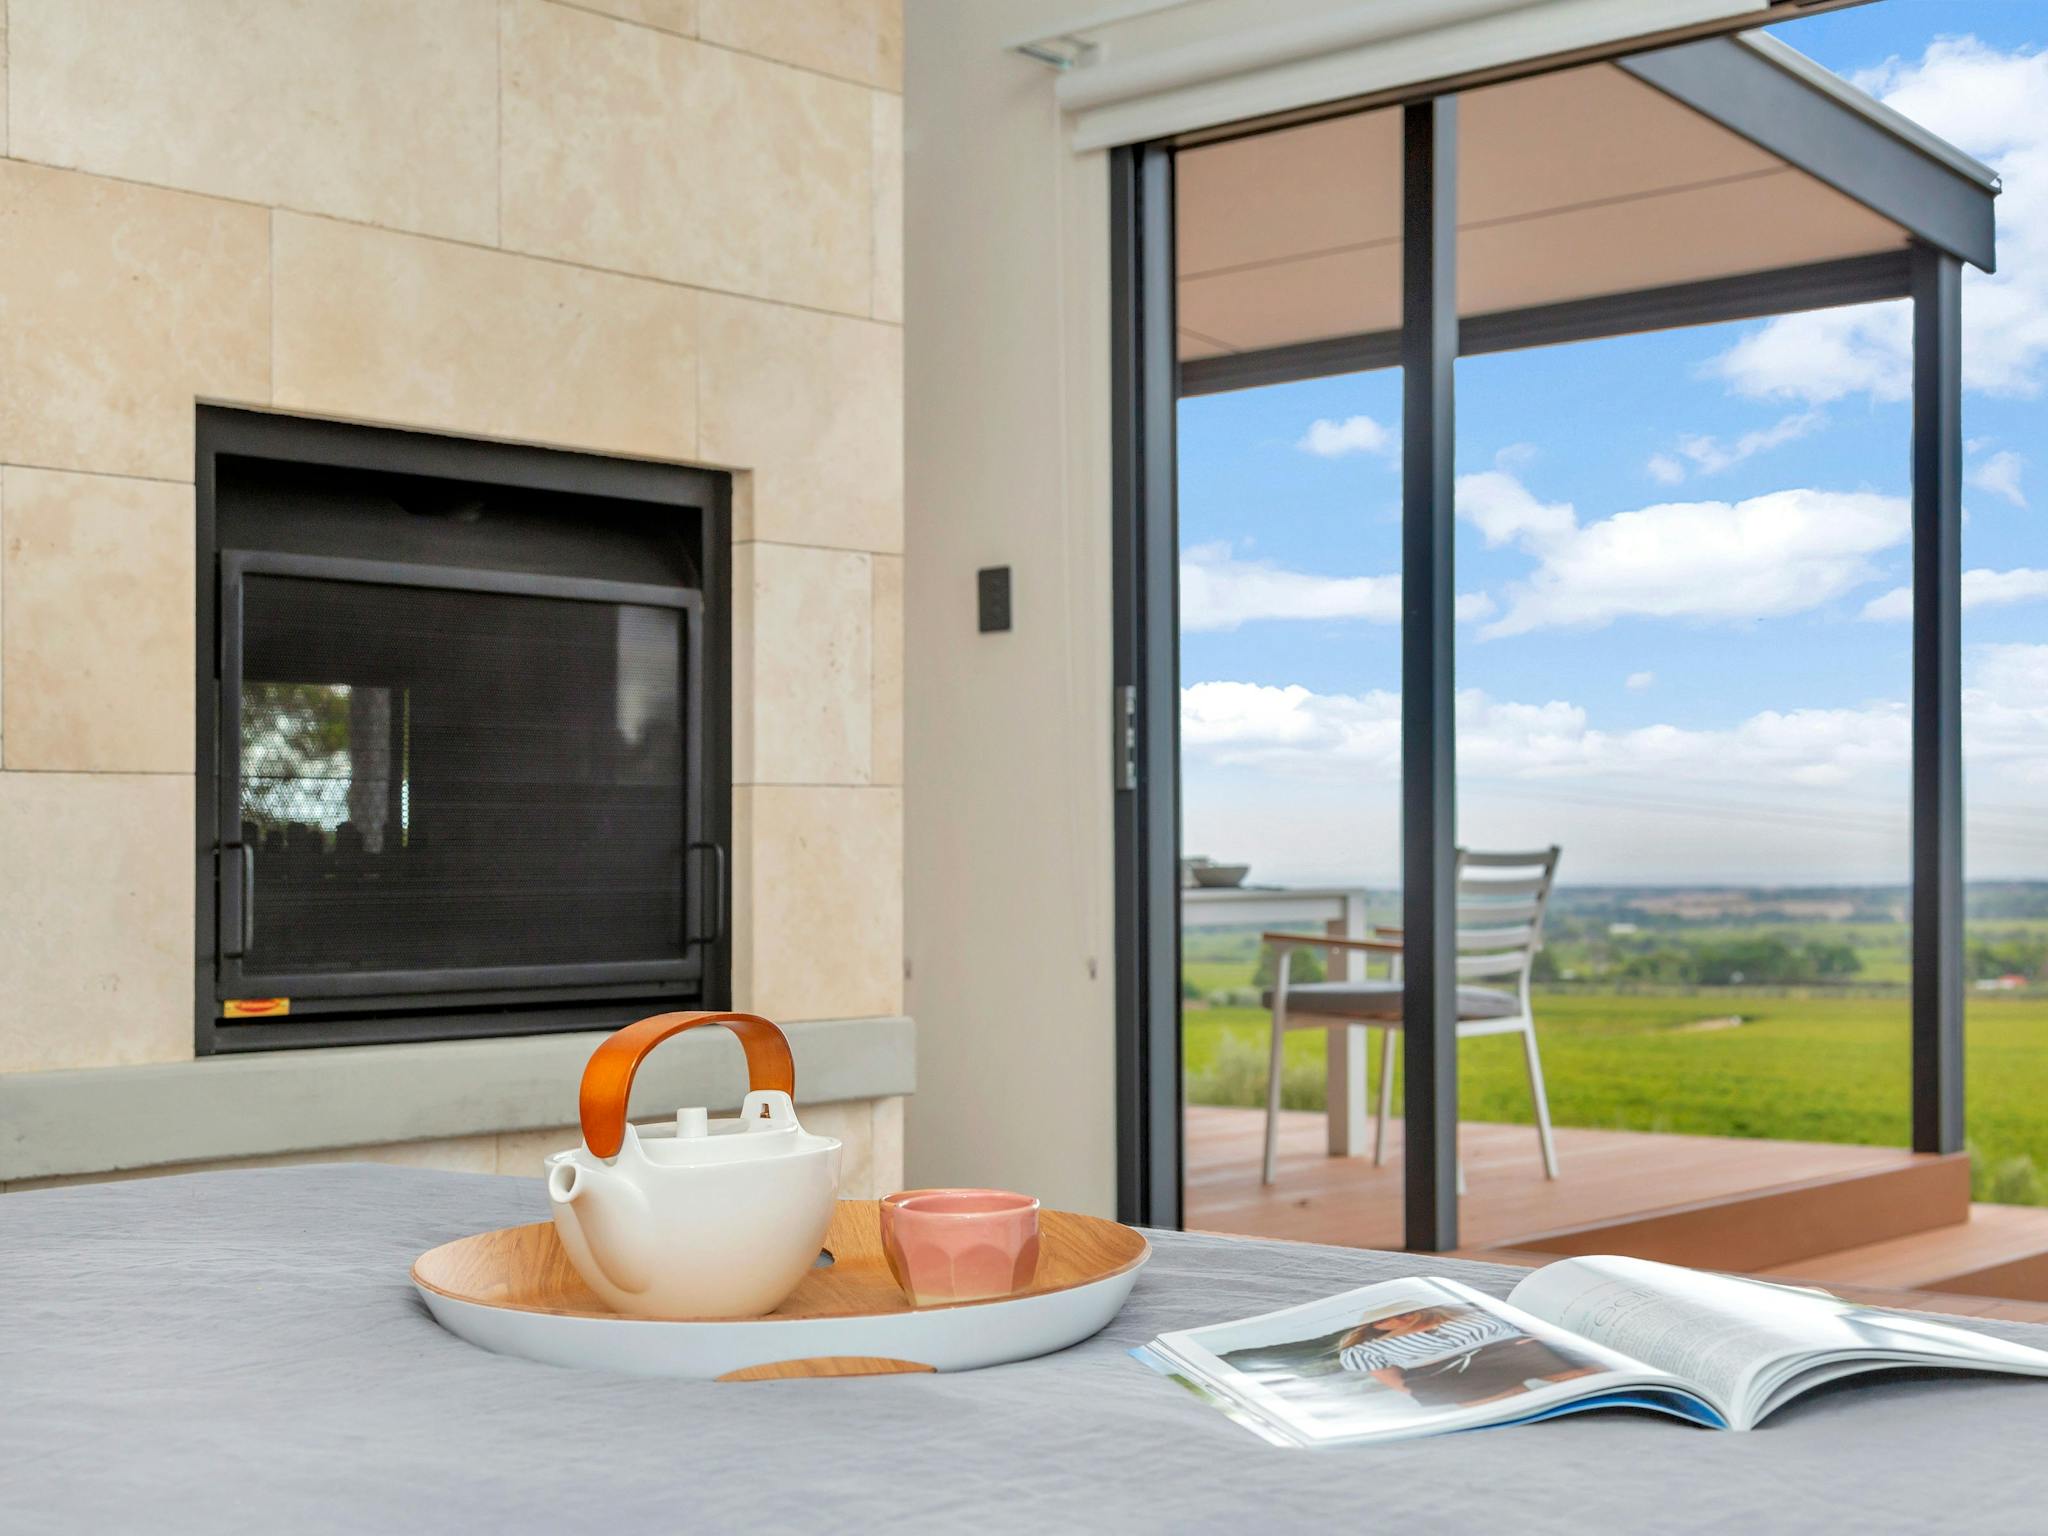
point(1453, 1357)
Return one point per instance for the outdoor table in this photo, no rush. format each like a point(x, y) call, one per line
point(1338, 909)
point(243, 1352)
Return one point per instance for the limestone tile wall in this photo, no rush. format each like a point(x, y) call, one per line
point(376, 326)
point(606, 132)
point(813, 403)
point(857, 39)
point(810, 659)
point(888, 152)
point(678, 16)
point(820, 870)
point(663, 228)
point(377, 110)
point(96, 623)
point(120, 305)
point(95, 918)
point(886, 727)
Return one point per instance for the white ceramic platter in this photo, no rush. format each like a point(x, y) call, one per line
point(514, 1292)
point(947, 1338)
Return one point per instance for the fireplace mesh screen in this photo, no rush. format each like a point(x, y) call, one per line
point(443, 779)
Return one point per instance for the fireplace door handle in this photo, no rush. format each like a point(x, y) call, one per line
point(248, 898)
point(717, 852)
point(237, 900)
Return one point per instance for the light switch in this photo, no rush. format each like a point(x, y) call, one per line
point(993, 586)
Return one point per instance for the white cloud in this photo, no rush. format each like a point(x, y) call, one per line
point(1293, 732)
point(1354, 434)
point(2005, 717)
point(1981, 589)
point(1471, 607)
point(1296, 733)
point(1517, 456)
point(1221, 592)
point(1639, 682)
point(2009, 672)
point(1985, 101)
point(1780, 553)
point(1239, 722)
point(1825, 354)
point(1307, 786)
point(1709, 455)
point(1506, 511)
point(2000, 475)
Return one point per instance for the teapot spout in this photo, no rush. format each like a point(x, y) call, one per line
point(601, 1212)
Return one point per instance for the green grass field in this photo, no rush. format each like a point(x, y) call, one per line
point(1216, 975)
point(1810, 1067)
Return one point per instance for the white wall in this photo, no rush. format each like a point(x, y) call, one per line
point(1007, 439)
point(1007, 736)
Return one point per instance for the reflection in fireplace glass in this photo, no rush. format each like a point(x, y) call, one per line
point(321, 756)
point(441, 778)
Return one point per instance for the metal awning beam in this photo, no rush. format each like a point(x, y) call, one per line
point(1746, 296)
point(1771, 96)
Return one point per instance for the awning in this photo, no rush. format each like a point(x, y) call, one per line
point(1715, 180)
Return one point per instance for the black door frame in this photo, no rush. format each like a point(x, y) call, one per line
point(1716, 77)
point(1145, 394)
point(1145, 662)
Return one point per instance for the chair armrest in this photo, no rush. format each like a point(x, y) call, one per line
point(1334, 941)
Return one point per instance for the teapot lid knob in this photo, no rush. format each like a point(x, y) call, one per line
point(693, 1122)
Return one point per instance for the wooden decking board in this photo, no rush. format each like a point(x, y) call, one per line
point(1606, 1175)
point(2002, 1250)
point(1788, 1222)
point(2026, 1276)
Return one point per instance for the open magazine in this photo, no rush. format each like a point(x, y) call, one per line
point(1426, 1357)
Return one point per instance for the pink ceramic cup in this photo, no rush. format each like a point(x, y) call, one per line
point(960, 1244)
point(887, 1215)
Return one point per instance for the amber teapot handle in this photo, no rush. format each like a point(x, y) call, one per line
point(608, 1077)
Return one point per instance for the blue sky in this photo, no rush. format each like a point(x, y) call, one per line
point(1686, 657)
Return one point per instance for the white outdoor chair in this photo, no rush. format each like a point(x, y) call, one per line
point(1500, 928)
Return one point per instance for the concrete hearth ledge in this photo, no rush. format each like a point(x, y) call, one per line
point(104, 1119)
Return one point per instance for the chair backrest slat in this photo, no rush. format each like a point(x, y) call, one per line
point(1469, 888)
point(1495, 914)
point(1541, 858)
point(1500, 921)
point(1471, 940)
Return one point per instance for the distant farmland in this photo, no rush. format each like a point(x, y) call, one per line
point(1809, 1062)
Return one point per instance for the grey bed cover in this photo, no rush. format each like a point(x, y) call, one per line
point(243, 1352)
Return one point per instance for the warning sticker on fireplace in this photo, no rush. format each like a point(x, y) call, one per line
point(255, 1007)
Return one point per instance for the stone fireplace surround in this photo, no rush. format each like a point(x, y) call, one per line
point(666, 229)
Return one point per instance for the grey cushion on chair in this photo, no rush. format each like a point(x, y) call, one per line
point(1380, 1001)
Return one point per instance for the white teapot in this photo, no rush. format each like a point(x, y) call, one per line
point(712, 1220)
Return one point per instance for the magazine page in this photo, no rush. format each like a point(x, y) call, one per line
point(1407, 1358)
point(1239, 1413)
point(1746, 1343)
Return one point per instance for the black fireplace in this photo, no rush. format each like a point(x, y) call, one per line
point(463, 754)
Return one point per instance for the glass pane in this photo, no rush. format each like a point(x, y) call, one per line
point(436, 779)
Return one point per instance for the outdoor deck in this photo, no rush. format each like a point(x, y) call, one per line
point(1879, 1215)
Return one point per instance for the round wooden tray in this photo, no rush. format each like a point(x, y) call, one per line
point(514, 1291)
